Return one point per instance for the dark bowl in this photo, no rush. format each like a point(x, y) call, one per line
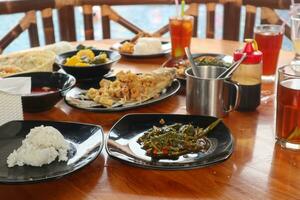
point(95, 72)
point(45, 101)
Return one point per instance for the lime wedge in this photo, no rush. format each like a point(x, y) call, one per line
point(295, 134)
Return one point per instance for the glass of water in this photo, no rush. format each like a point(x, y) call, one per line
point(295, 33)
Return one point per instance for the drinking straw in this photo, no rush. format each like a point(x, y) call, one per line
point(182, 7)
point(177, 5)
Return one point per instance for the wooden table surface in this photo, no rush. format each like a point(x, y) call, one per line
point(258, 168)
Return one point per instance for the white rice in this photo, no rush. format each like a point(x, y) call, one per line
point(147, 46)
point(41, 146)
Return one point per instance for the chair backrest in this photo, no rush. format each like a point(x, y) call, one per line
point(66, 19)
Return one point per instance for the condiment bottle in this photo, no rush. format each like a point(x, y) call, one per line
point(248, 76)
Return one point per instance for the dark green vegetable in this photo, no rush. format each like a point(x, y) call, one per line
point(81, 47)
point(172, 141)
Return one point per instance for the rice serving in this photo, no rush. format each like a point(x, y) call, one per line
point(147, 45)
point(41, 146)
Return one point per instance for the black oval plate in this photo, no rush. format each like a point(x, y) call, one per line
point(166, 49)
point(86, 141)
point(170, 91)
point(122, 142)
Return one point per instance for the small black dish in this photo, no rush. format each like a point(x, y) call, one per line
point(86, 141)
point(90, 73)
point(45, 101)
point(122, 145)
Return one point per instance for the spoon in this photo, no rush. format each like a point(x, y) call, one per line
point(232, 68)
point(190, 57)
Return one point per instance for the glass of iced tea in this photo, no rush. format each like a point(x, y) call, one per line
point(288, 107)
point(269, 40)
point(181, 31)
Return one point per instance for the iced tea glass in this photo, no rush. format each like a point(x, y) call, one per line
point(181, 31)
point(288, 107)
point(269, 40)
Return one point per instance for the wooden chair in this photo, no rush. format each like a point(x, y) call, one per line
point(66, 20)
point(231, 25)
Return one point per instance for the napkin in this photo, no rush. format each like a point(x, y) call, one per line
point(16, 85)
point(11, 90)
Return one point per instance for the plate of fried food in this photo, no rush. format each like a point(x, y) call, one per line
point(200, 59)
point(169, 141)
point(125, 91)
point(143, 46)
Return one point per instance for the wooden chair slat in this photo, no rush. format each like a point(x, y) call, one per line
point(67, 23)
point(33, 35)
point(107, 11)
point(105, 22)
point(88, 22)
point(232, 13)
point(163, 30)
point(105, 27)
point(250, 21)
point(10, 36)
point(210, 20)
point(48, 26)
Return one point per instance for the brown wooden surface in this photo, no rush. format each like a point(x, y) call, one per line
point(258, 169)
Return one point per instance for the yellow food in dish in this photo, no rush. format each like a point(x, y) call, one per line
point(85, 58)
point(131, 88)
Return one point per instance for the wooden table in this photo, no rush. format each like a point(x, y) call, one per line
point(258, 169)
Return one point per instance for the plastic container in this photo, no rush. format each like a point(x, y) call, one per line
point(248, 76)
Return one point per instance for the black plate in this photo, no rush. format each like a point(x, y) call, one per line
point(86, 144)
point(166, 49)
point(90, 73)
point(226, 59)
point(77, 91)
point(121, 143)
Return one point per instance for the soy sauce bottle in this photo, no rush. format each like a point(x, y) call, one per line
point(248, 76)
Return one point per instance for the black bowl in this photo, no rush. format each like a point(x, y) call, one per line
point(45, 101)
point(91, 73)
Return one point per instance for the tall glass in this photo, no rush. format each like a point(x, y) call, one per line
point(288, 107)
point(269, 40)
point(295, 35)
point(181, 31)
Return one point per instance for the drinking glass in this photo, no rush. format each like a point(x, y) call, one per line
point(294, 8)
point(269, 40)
point(181, 31)
point(288, 107)
point(295, 35)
